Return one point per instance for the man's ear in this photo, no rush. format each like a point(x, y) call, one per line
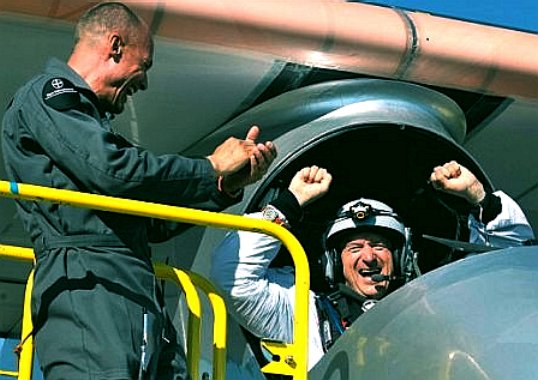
point(116, 45)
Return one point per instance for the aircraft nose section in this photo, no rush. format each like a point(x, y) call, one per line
point(472, 319)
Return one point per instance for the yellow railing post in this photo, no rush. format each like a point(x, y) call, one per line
point(27, 345)
point(219, 325)
point(293, 356)
point(194, 337)
point(26, 350)
point(187, 280)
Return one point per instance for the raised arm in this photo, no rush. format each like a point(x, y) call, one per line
point(262, 298)
point(495, 219)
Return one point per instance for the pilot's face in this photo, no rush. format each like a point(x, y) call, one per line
point(130, 73)
point(363, 255)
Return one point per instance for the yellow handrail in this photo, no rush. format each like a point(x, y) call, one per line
point(26, 346)
point(194, 337)
point(187, 280)
point(219, 329)
point(292, 357)
point(27, 356)
point(16, 253)
point(8, 373)
point(25, 361)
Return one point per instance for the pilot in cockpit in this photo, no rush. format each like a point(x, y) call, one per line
point(367, 254)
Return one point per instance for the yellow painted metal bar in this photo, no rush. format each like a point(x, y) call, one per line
point(295, 355)
point(180, 277)
point(194, 336)
point(284, 363)
point(17, 253)
point(219, 325)
point(26, 354)
point(9, 373)
point(189, 281)
point(27, 350)
point(162, 271)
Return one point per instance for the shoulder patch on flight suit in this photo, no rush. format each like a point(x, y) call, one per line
point(60, 94)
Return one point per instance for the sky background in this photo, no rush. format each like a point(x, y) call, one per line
point(512, 14)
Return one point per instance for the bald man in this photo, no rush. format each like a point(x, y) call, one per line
point(97, 307)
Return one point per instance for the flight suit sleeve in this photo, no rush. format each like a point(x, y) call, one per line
point(101, 161)
point(260, 298)
point(508, 228)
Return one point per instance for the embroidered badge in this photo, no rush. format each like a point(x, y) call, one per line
point(60, 94)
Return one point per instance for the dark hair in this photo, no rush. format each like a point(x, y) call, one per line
point(108, 16)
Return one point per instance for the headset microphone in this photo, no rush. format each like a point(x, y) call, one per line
point(382, 277)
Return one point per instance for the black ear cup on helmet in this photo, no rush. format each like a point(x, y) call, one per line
point(332, 266)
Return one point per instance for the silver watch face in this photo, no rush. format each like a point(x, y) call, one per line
point(269, 214)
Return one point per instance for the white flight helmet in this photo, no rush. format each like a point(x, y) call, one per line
point(363, 215)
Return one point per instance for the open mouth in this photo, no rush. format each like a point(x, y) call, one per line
point(369, 272)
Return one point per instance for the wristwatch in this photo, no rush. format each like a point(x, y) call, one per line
point(272, 214)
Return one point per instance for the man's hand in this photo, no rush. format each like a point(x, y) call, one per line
point(242, 162)
point(456, 179)
point(233, 154)
point(309, 184)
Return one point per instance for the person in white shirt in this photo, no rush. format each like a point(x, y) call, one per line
point(365, 255)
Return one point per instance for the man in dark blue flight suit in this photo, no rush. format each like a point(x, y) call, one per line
point(95, 290)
